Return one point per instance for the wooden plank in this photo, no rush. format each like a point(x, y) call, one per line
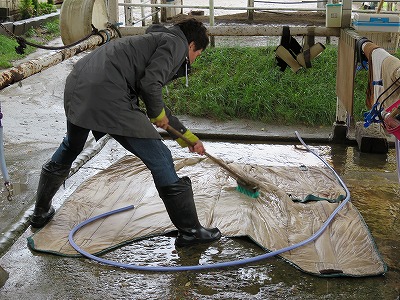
point(346, 70)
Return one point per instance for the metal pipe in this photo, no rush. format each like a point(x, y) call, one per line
point(271, 31)
point(373, 11)
point(145, 17)
point(313, 1)
point(143, 13)
point(212, 12)
point(223, 7)
point(250, 12)
point(251, 30)
point(29, 68)
point(128, 12)
point(212, 21)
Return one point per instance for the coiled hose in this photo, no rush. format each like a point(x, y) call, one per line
point(216, 265)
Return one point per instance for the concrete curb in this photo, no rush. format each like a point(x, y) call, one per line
point(20, 27)
point(3, 276)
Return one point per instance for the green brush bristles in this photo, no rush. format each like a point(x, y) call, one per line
point(250, 193)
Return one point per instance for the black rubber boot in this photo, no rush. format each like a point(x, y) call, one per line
point(51, 178)
point(178, 199)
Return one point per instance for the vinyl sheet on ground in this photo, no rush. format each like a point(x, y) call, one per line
point(281, 216)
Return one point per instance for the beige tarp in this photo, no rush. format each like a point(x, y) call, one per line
point(273, 220)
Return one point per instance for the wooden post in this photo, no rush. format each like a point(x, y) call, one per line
point(346, 13)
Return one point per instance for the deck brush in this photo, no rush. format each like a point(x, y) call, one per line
point(246, 186)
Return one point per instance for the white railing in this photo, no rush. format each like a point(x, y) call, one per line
point(211, 8)
point(145, 9)
point(116, 14)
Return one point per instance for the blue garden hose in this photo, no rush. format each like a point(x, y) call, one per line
point(216, 265)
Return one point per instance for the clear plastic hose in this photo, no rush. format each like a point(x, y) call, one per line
point(3, 165)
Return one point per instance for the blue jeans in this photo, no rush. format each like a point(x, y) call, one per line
point(153, 152)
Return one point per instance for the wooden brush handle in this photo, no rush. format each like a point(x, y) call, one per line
point(243, 180)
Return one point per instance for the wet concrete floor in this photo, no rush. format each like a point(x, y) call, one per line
point(373, 184)
point(34, 125)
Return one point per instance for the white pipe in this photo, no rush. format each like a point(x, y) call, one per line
point(250, 30)
point(224, 7)
point(142, 13)
point(128, 12)
point(211, 12)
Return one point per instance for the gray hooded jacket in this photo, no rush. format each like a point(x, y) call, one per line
point(102, 92)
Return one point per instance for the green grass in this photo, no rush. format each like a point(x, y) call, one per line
point(41, 35)
point(7, 52)
point(242, 82)
point(228, 83)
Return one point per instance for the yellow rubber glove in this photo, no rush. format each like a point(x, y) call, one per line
point(190, 136)
point(160, 117)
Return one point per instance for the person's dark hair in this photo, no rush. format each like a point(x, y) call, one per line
point(195, 32)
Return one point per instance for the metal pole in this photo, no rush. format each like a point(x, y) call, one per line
point(225, 7)
point(250, 31)
point(163, 11)
point(212, 20)
point(250, 12)
point(154, 12)
point(142, 13)
point(128, 12)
